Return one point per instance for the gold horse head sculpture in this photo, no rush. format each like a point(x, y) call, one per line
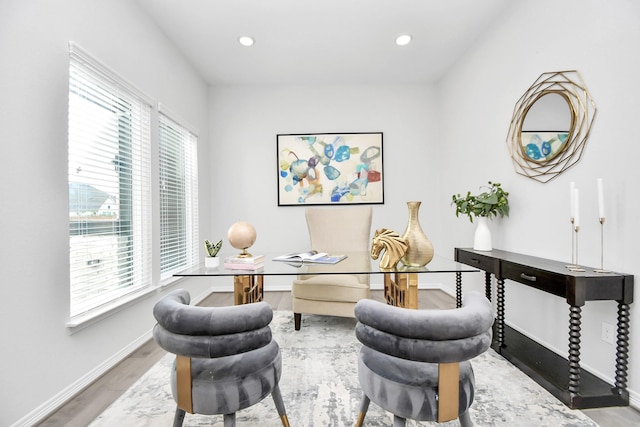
point(392, 244)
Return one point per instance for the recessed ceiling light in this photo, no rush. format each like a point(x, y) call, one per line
point(403, 40)
point(245, 40)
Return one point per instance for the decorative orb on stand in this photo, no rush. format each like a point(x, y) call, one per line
point(242, 235)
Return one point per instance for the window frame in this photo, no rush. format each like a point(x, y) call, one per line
point(191, 231)
point(153, 278)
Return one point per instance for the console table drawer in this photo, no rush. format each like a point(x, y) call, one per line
point(540, 279)
point(482, 262)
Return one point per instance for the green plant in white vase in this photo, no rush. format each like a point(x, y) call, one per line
point(211, 260)
point(491, 202)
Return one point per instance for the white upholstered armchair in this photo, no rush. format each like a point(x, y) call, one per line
point(334, 230)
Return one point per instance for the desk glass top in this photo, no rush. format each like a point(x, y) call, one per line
point(355, 263)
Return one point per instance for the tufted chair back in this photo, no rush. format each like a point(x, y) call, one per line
point(233, 342)
point(415, 363)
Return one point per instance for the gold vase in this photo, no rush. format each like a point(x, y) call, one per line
point(419, 250)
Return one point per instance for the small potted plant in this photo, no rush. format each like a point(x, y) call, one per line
point(491, 202)
point(211, 259)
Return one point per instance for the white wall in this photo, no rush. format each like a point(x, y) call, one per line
point(600, 41)
point(41, 362)
point(244, 124)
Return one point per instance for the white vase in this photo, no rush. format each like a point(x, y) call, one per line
point(482, 236)
point(211, 262)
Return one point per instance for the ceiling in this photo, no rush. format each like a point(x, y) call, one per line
point(315, 42)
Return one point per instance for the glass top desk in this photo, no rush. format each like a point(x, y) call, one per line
point(400, 284)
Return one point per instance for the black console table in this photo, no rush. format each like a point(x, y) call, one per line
point(574, 386)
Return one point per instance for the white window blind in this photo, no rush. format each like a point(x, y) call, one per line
point(179, 237)
point(109, 185)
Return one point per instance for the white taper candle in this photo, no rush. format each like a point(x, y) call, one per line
point(600, 199)
point(576, 207)
point(572, 194)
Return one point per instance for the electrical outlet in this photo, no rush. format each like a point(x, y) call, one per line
point(608, 333)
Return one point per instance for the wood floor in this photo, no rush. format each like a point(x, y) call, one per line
point(89, 403)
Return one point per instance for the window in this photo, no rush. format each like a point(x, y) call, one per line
point(109, 185)
point(178, 197)
point(111, 189)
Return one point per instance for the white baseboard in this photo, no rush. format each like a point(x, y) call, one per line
point(50, 406)
point(634, 398)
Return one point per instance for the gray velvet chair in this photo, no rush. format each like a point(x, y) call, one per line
point(226, 358)
point(415, 363)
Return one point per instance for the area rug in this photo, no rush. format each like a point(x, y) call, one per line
point(320, 388)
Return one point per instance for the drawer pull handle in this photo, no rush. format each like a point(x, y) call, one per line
point(476, 261)
point(527, 277)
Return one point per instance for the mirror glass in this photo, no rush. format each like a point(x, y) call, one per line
point(546, 127)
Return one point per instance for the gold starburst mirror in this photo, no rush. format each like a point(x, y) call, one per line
point(550, 125)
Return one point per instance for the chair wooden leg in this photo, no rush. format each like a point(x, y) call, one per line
point(230, 420)
point(465, 419)
point(399, 421)
point(297, 320)
point(277, 399)
point(364, 407)
point(448, 391)
point(178, 418)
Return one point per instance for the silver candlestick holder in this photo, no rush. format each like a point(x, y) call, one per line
point(573, 244)
point(601, 269)
point(575, 266)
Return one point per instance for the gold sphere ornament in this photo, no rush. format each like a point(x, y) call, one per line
point(242, 235)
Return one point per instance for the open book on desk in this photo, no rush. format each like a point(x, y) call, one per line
point(311, 257)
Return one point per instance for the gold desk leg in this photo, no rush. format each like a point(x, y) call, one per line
point(401, 290)
point(411, 286)
point(394, 292)
point(247, 289)
point(259, 289)
point(389, 289)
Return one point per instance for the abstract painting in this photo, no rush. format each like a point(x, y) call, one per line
point(330, 168)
